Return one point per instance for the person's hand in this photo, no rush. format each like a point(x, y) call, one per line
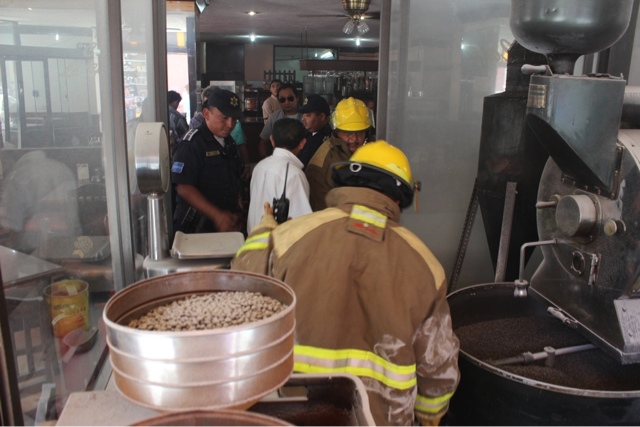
point(268, 210)
point(246, 173)
point(229, 221)
point(432, 422)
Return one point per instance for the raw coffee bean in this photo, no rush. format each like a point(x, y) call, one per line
point(209, 311)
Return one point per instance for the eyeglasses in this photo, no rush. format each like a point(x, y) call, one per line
point(289, 98)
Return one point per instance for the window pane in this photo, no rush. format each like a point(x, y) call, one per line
point(57, 254)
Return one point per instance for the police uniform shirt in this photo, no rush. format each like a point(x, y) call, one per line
point(314, 141)
point(214, 170)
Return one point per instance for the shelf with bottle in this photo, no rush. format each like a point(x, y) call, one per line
point(337, 85)
point(253, 100)
point(135, 83)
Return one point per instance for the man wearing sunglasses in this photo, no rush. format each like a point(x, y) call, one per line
point(288, 99)
point(207, 170)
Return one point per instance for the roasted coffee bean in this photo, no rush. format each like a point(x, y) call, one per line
point(502, 338)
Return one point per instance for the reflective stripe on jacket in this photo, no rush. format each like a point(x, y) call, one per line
point(358, 362)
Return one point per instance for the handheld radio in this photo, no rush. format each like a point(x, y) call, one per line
point(281, 205)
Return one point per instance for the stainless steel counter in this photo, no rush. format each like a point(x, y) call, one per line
point(18, 268)
point(327, 395)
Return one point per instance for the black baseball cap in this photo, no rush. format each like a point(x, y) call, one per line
point(315, 104)
point(226, 101)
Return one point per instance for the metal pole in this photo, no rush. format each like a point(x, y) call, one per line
point(10, 405)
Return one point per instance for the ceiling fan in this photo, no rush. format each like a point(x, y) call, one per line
point(356, 12)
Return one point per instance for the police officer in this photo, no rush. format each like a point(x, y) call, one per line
point(315, 118)
point(370, 296)
point(350, 121)
point(207, 170)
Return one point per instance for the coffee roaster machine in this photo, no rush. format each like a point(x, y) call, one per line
point(587, 225)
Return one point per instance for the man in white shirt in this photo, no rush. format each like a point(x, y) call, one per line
point(268, 179)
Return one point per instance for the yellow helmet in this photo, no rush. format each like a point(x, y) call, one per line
point(378, 165)
point(351, 115)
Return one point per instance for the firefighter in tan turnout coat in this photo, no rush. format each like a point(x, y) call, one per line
point(370, 295)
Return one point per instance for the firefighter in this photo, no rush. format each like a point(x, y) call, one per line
point(350, 121)
point(371, 297)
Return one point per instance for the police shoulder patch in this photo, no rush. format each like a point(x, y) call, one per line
point(189, 135)
point(177, 167)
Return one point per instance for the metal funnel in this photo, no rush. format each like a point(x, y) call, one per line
point(564, 30)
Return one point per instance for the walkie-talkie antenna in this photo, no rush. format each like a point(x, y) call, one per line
point(284, 189)
point(281, 206)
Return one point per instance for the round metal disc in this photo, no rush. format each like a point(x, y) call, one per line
point(152, 157)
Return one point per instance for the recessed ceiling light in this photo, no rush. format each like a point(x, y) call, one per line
point(251, 13)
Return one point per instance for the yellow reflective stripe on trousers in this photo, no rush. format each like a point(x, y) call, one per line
point(432, 405)
point(357, 362)
point(369, 216)
point(255, 243)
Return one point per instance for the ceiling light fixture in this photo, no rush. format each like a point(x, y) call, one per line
point(356, 10)
point(363, 28)
point(356, 7)
point(356, 22)
point(349, 27)
point(252, 13)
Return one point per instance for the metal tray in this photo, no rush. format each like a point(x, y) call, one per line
point(319, 399)
point(304, 400)
point(206, 245)
point(83, 248)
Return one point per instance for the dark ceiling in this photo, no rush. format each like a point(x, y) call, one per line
point(284, 23)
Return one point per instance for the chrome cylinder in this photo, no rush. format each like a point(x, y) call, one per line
point(229, 367)
point(157, 226)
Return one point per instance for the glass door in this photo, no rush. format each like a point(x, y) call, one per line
point(72, 220)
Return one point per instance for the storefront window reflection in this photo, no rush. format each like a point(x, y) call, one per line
point(61, 142)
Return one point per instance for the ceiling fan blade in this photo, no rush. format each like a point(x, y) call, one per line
point(323, 16)
point(372, 15)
